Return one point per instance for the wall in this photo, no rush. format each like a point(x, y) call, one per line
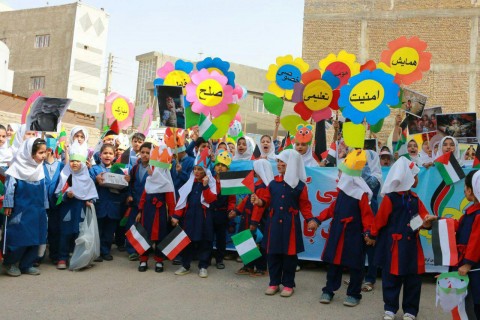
point(6, 75)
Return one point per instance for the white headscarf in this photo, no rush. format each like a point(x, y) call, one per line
point(18, 139)
point(476, 184)
point(83, 187)
point(263, 169)
point(456, 153)
point(23, 166)
point(187, 188)
point(424, 157)
point(15, 127)
point(159, 182)
point(373, 162)
point(75, 130)
point(6, 154)
point(308, 159)
point(271, 154)
point(247, 155)
point(295, 171)
point(401, 176)
point(355, 187)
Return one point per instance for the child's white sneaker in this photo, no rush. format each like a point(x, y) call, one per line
point(182, 271)
point(408, 316)
point(203, 273)
point(388, 315)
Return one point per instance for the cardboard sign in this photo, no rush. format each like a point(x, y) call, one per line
point(46, 114)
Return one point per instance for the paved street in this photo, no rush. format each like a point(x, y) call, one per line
point(116, 290)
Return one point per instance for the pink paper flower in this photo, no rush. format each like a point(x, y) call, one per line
point(120, 108)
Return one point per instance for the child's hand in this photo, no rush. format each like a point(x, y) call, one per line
point(255, 200)
point(89, 203)
point(127, 178)
point(253, 228)
point(369, 242)
point(398, 120)
point(70, 194)
point(7, 211)
point(174, 222)
point(149, 171)
point(428, 165)
point(100, 179)
point(232, 214)
point(312, 225)
point(89, 165)
point(205, 181)
point(277, 121)
point(178, 167)
point(129, 199)
point(463, 270)
point(138, 217)
point(427, 222)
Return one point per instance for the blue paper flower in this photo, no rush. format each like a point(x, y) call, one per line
point(368, 95)
point(220, 66)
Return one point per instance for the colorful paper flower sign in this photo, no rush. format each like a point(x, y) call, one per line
point(315, 96)
point(368, 95)
point(178, 75)
point(146, 121)
point(342, 66)
point(285, 74)
point(273, 104)
point(354, 135)
point(28, 104)
point(120, 108)
point(222, 67)
point(291, 122)
point(408, 58)
point(209, 93)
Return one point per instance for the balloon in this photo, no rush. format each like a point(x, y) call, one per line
point(235, 129)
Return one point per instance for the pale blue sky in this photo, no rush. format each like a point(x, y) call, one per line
point(250, 32)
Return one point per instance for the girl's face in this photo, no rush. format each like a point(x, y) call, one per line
point(220, 168)
point(242, 146)
point(281, 166)
point(469, 193)
point(231, 148)
point(3, 137)
point(107, 156)
point(198, 173)
point(412, 148)
point(75, 165)
point(301, 147)
point(426, 148)
point(265, 143)
point(29, 134)
point(10, 132)
point(448, 145)
point(435, 148)
point(385, 160)
point(80, 137)
point(41, 153)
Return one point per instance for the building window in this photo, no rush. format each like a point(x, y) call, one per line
point(258, 105)
point(42, 41)
point(37, 83)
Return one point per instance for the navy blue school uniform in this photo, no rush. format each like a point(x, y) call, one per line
point(399, 251)
point(253, 215)
point(27, 225)
point(219, 210)
point(351, 221)
point(52, 176)
point(108, 209)
point(136, 186)
point(72, 213)
point(283, 232)
point(198, 225)
point(179, 178)
point(156, 208)
point(468, 244)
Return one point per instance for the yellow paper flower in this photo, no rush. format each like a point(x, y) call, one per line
point(285, 74)
point(342, 66)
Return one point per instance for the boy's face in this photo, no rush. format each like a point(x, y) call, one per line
point(3, 137)
point(75, 165)
point(220, 167)
point(202, 146)
point(198, 173)
point(145, 155)
point(136, 144)
point(119, 152)
point(107, 156)
point(469, 194)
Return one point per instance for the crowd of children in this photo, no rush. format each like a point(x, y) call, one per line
point(177, 182)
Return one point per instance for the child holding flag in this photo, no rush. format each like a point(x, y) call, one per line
point(75, 191)
point(399, 251)
point(26, 217)
point(349, 228)
point(192, 208)
point(108, 205)
point(252, 216)
point(157, 203)
point(286, 196)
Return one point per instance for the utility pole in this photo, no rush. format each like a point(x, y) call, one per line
point(108, 86)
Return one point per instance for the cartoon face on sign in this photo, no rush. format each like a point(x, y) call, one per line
point(304, 133)
point(317, 95)
point(367, 95)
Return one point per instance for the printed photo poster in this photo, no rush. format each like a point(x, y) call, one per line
point(46, 113)
point(370, 144)
point(462, 126)
point(413, 102)
point(171, 106)
point(420, 125)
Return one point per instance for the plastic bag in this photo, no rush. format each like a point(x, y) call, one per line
point(87, 245)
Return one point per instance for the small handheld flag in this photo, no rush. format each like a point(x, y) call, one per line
point(124, 220)
point(67, 185)
point(449, 168)
point(174, 243)
point(246, 247)
point(138, 238)
point(237, 182)
point(256, 153)
point(205, 127)
point(444, 243)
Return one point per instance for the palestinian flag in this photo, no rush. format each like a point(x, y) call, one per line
point(332, 153)
point(246, 247)
point(286, 143)
point(120, 168)
point(205, 127)
point(174, 243)
point(256, 153)
point(237, 182)
point(476, 161)
point(444, 243)
point(124, 220)
point(67, 185)
point(138, 238)
point(449, 168)
point(403, 137)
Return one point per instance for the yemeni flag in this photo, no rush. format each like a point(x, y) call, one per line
point(237, 182)
point(444, 243)
point(476, 161)
point(138, 238)
point(205, 127)
point(67, 185)
point(246, 247)
point(449, 168)
point(124, 220)
point(174, 243)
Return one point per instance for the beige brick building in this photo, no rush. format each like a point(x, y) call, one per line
point(450, 28)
